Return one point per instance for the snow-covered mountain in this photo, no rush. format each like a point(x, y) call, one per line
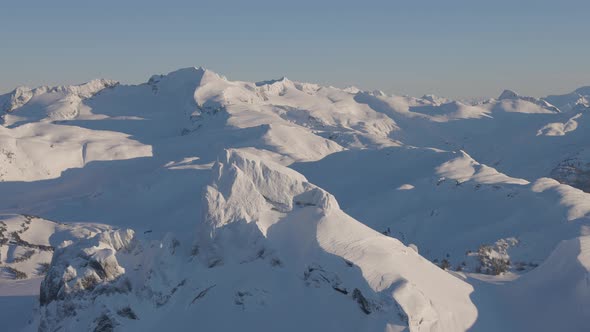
point(196, 202)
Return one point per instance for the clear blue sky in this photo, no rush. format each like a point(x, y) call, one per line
point(449, 48)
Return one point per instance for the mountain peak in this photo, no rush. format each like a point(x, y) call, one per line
point(271, 82)
point(435, 99)
point(508, 94)
point(189, 75)
point(584, 90)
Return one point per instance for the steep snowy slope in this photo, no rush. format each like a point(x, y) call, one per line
point(576, 101)
point(281, 205)
point(558, 288)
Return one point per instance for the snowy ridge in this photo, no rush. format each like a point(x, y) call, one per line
point(578, 100)
point(512, 102)
point(64, 100)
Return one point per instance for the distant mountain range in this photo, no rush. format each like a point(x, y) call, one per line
point(193, 202)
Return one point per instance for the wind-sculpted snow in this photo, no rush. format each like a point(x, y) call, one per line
point(464, 168)
point(576, 202)
point(291, 206)
point(558, 128)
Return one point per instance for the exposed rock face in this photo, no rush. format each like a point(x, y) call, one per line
point(80, 272)
point(574, 172)
point(27, 243)
point(86, 266)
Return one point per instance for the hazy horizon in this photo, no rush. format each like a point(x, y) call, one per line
point(456, 49)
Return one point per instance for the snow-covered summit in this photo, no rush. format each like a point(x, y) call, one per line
point(271, 82)
point(193, 76)
point(435, 100)
point(508, 94)
point(513, 102)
